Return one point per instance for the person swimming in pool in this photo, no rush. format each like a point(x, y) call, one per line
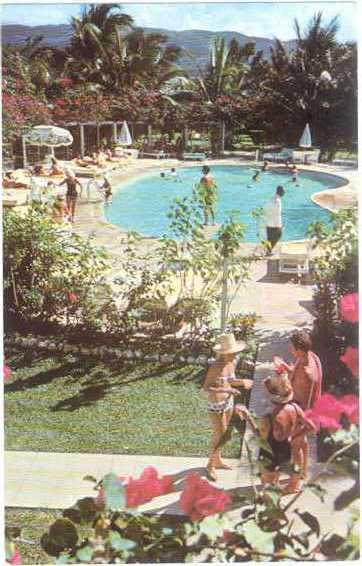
point(255, 178)
point(172, 174)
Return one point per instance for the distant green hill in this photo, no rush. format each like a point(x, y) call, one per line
point(195, 43)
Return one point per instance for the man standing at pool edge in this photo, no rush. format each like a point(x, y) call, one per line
point(273, 218)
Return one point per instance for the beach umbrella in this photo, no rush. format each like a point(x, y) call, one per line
point(306, 138)
point(125, 137)
point(49, 136)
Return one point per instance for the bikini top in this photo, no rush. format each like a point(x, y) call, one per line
point(224, 379)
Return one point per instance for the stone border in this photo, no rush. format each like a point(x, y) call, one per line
point(105, 352)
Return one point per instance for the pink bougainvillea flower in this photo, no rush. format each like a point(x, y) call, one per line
point(329, 406)
point(7, 372)
point(323, 421)
point(200, 499)
point(16, 558)
point(72, 297)
point(148, 486)
point(349, 307)
point(326, 413)
point(350, 404)
point(100, 500)
point(350, 359)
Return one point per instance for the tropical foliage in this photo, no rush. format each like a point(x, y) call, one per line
point(314, 82)
point(49, 275)
point(115, 70)
point(22, 106)
point(336, 301)
point(109, 527)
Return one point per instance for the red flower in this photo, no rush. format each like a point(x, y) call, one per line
point(326, 413)
point(350, 359)
point(349, 307)
point(200, 499)
point(16, 558)
point(6, 372)
point(65, 81)
point(148, 486)
point(350, 406)
point(72, 297)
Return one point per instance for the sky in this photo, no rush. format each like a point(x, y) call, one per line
point(263, 19)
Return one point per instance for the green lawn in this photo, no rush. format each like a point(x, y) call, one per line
point(70, 404)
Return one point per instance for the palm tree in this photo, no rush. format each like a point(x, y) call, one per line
point(102, 52)
point(94, 32)
point(305, 84)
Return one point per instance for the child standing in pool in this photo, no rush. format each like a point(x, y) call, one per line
point(294, 172)
point(207, 193)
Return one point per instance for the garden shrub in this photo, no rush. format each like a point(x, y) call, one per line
point(336, 276)
point(243, 325)
point(109, 528)
point(49, 276)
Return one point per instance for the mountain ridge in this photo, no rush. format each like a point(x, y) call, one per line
point(197, 42)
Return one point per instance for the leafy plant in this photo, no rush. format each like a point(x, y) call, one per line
point(117, 532)
point(336, 268)
point(48, 276)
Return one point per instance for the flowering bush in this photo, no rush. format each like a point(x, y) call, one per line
point(349, 307)
point(79, 106)
point(200, 499)
point(147, 487)
point(48, 277)
point(350, 359)
point(12, 553)
point(6, 372)
point(113, 531)
point(22, 108)
point(336, 301)
point(328, 410)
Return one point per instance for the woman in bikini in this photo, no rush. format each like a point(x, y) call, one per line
point(72, 194)
point(219, 385)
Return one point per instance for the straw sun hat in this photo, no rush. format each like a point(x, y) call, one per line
point(228, 345)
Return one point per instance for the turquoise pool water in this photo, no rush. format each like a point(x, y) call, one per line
point(142, 204)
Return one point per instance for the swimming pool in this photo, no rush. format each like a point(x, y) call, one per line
point(142, 204)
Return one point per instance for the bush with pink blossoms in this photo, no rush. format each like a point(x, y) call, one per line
point(117, 532)
point(200, 499)
point(328, 411)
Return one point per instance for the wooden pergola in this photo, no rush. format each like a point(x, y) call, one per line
point(82, 137)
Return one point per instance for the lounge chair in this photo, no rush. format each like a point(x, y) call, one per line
point(347, 162)
point(193, 156)
point(158, 154)
point(279, 155)
point(294, 258)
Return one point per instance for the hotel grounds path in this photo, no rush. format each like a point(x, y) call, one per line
point(55, 480)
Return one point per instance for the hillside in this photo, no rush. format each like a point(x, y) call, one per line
point(194, 43)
